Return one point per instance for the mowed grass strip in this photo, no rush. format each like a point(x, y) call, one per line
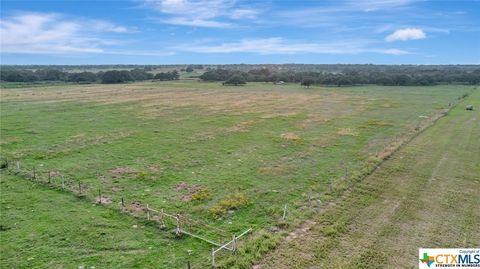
point(427, 195)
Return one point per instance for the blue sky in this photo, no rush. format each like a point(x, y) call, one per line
point(229, 31)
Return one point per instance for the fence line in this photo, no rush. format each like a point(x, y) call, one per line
point(55, 179)
point(224, 246)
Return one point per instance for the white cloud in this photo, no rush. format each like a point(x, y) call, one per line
point(105, 26)
point(200, 13)
point(244, 13)
point(393, 51)
point(277, 45)
point(196, 22)
point(373, 5)
point(49, 33)
point(406, 34)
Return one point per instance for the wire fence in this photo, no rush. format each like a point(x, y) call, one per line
point(180, 224)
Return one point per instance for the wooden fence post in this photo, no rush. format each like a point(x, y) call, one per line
point(18, 166)
point(79, 187)
point(188, 265)
point(162, 216)
point(234, 243)
point(123, 204)
point(177, 231)
point(49, 177)
point(213, 257)
point(284, 212)
point(148, 213)
point(100, 196)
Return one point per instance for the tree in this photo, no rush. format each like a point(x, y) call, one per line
point(189, 69)
point(50, 74)
point(235, 80)
point(139, 74)
point(306, 82)
point(115, 76)
point(175, 75)
point(82, 77)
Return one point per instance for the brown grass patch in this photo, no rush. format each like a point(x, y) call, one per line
point(291, 136)
point(347, 132)
point(158, 100)
point(103, 200)
point(136, 207)
point(240, 127)
point(277, 170)
point(120, 171)
point(192, 192)
point(153, 168)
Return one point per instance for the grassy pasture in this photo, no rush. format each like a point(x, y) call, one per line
point(187, 146)
point(427, 195)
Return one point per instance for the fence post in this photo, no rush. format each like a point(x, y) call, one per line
point(63, 183)
point(18, 166)
point(99, 196)
point(79, 187)
point(234, 243)
point(162, 216)
point(177, 231)
point(213, 257)
point(148, 213)
point(49, 177)
point(188, 265)
point(284, 212)
point(34, 174)
point(123, 204)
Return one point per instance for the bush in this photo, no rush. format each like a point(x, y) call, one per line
point(143, 175)
point(115, 76)
point(233, 201)
point(201, 195)
point(235, 80)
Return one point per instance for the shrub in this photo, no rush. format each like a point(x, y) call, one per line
point(143, 175)
point(233, 201)
point(235, 80)
point(201, 195)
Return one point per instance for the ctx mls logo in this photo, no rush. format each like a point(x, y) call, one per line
point(428, 260)
point(448, 257)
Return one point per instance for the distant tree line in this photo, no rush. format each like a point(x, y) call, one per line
point(111, 76)
point(388, 77)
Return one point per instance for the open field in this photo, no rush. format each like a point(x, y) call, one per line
point(231, 157)
point(427, 195)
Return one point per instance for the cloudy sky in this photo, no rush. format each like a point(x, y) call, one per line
point(236, 31)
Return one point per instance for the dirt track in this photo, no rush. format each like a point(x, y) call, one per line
point(427, 195)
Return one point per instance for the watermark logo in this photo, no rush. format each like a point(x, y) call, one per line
point(428, 260)
point(449, 257)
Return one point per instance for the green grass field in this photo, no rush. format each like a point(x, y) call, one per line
point(427, 195)
point(231, 157)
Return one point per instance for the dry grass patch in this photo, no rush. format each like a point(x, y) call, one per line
point(277, 170)
point(291, 137)
point(347, 132)
point(120, 171)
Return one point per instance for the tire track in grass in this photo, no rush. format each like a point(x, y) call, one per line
point(383, 221)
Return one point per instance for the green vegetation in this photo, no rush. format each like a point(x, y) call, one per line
point(228, 156)
point(426, 195)
point(43, 228)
